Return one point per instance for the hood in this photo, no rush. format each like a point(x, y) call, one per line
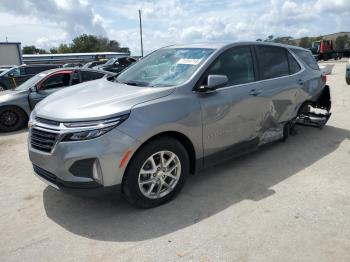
point(6, 92)
point(10, 95)
point(96, 100)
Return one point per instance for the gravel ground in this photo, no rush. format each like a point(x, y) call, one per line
point(287, 202)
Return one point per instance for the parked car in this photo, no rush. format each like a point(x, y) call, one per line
point(94, 63)
point(16, 105)
point(15, 76)
point(146, 134)
point(72, 65)
point(347, 73)
point(3, 70)
point(116, 65)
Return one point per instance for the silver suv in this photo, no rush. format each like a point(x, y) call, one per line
point(176, 111)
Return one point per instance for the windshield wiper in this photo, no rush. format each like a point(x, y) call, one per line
point(130, 83)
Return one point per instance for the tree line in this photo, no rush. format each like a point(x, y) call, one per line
point(341, 42)
point(81, 44)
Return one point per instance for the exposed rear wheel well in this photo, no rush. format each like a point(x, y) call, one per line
point(322, 102)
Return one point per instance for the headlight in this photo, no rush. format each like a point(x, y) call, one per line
point(98, 128)
point(31, 118)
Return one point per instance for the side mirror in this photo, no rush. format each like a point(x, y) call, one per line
point(32, 89)
point(11, 75)
point(213, 83)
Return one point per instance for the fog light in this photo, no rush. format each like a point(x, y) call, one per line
point(97, 172)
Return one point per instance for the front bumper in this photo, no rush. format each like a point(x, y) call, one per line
point(59, 167)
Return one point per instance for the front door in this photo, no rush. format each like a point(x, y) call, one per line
point(232, 114)
point(49, 85)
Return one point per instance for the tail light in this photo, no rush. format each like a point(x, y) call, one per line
point(324, 78)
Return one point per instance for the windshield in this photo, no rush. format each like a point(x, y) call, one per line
point(111, 61)
point(31, 81)
point(5, 71)
point(165, 67)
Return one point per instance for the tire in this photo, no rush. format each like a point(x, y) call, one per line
point(2, 88)
point(142, 176)
point(348, 80)
point(12, 119)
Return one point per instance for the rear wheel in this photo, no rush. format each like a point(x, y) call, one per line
point(12, 119)
point(157, 173)
point(348, 80)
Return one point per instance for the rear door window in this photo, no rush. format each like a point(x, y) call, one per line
point(236, 64)
point(307, 58)
point(32, 71)
point(273, 61)
point(88, 76)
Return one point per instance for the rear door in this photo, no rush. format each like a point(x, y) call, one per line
point(232, 114)
point(49, 85)
point(312, 83)
point(280, 79)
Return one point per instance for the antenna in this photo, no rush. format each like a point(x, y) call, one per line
point(141, 33)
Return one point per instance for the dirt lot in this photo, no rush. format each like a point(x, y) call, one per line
point(287, 202)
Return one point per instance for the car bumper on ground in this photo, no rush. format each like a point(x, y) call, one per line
point(89, 165)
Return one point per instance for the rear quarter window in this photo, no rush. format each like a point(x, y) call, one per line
point(294, 66)
point(307, 58)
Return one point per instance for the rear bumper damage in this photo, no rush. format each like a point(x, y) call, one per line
point(317, 113)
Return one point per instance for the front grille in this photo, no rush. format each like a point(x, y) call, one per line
point(43, 140)
point(47, 121)
point(45, 174)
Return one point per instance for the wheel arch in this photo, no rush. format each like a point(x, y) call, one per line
point(323, 100)
point(182, 138)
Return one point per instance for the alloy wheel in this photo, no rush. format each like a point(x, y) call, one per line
point(159, 174)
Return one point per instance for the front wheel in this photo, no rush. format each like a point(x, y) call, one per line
point(347, 80)
point(12, 119)
point(157, 173)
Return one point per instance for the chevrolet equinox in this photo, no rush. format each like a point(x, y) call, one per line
point(176, 111)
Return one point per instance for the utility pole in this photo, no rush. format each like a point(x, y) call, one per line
point(141, 33)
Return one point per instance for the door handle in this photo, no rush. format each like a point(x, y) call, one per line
point(255, 92)
point(300, 82)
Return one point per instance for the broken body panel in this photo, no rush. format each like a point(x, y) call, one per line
point(316, 113)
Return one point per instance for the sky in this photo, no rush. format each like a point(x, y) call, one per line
point(47, 23)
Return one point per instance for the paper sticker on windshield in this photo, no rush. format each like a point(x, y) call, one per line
point(186, 61)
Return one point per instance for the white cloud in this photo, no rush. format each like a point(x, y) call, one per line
point(176, 21)
point(72, 16)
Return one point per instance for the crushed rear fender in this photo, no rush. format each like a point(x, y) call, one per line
point(316, 113)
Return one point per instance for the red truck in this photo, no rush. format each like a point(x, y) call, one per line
point(324, 50)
